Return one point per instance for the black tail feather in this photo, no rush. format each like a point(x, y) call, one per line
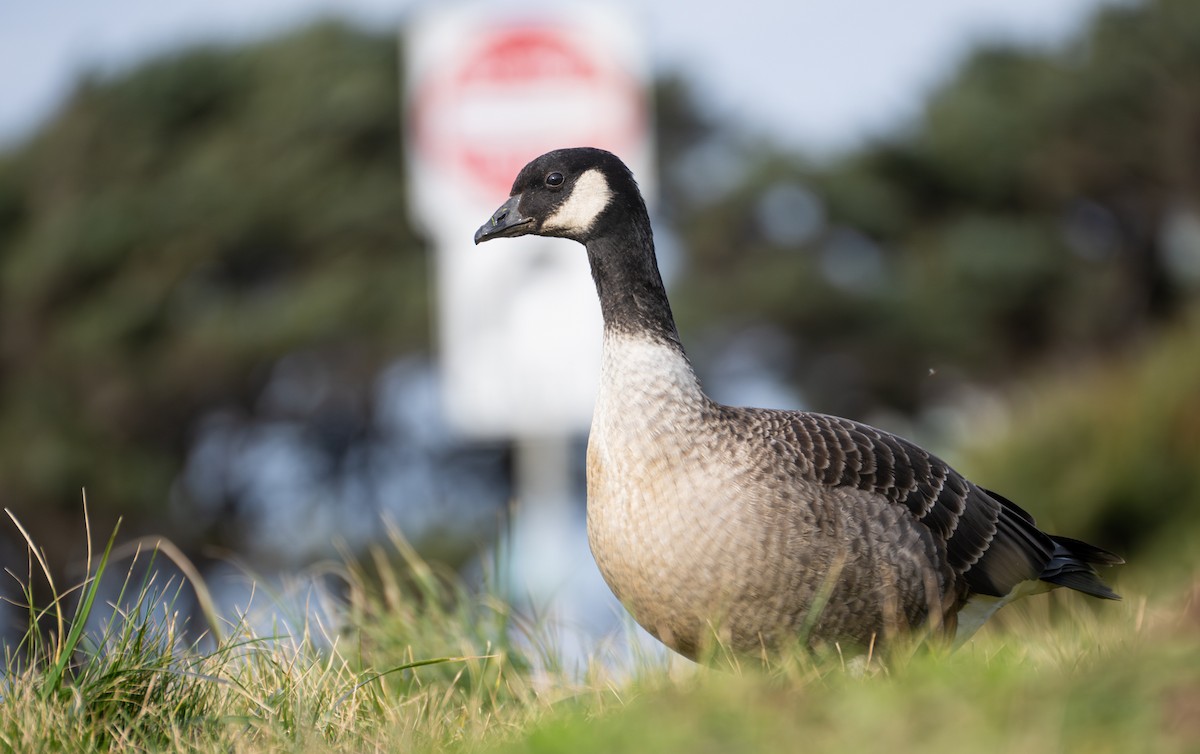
point(1072, 565)
point(1088, 553)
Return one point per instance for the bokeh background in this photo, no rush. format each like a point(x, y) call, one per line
point(973, 223)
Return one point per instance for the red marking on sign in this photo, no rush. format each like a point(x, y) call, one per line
point(520, 92)
point(527, 55)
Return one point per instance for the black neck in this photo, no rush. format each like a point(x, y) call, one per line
point(632, 297)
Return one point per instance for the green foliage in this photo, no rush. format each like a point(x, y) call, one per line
point(1021, 216)
point(177, 229)
point(1110, 455)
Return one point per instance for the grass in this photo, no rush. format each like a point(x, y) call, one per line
point(1106, 685)
point(412, 663)
point(407, 659)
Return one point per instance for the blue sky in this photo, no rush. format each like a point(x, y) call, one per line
point(812, 73)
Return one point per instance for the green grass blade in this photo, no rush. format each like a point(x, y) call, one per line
point(53, 680)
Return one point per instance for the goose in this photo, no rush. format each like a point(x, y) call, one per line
point(758, 527)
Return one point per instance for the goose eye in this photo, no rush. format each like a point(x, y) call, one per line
point(554, 180)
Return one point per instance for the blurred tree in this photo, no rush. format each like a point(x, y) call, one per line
point(1110, 455)
point(177, 230)
point(1020, 219)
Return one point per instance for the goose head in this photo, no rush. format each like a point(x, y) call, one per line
point(568, 193)
point(589, 196)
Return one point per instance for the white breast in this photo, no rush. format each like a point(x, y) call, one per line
point(646, 510)
point(649, 400)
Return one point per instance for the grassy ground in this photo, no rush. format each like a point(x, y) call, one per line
point(416, 663)
point(1124, 682)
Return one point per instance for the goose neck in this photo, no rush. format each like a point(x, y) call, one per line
point(633, 299)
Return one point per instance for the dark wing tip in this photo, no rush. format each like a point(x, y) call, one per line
point(1073, 565)
point(1088, 553)
point(1085, 581)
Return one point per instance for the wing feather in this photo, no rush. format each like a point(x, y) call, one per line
point(990, 543)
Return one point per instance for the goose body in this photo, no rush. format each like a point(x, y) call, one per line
point(762, 526)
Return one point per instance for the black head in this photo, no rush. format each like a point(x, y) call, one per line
point(569, 193)
point(589, 196)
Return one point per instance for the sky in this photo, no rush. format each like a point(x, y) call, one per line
point(813, 74)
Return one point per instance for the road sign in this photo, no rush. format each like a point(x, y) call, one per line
point(488, 89)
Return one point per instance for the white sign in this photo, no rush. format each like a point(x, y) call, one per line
point(488, 89)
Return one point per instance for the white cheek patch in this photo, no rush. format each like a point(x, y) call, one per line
point(587, 200)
